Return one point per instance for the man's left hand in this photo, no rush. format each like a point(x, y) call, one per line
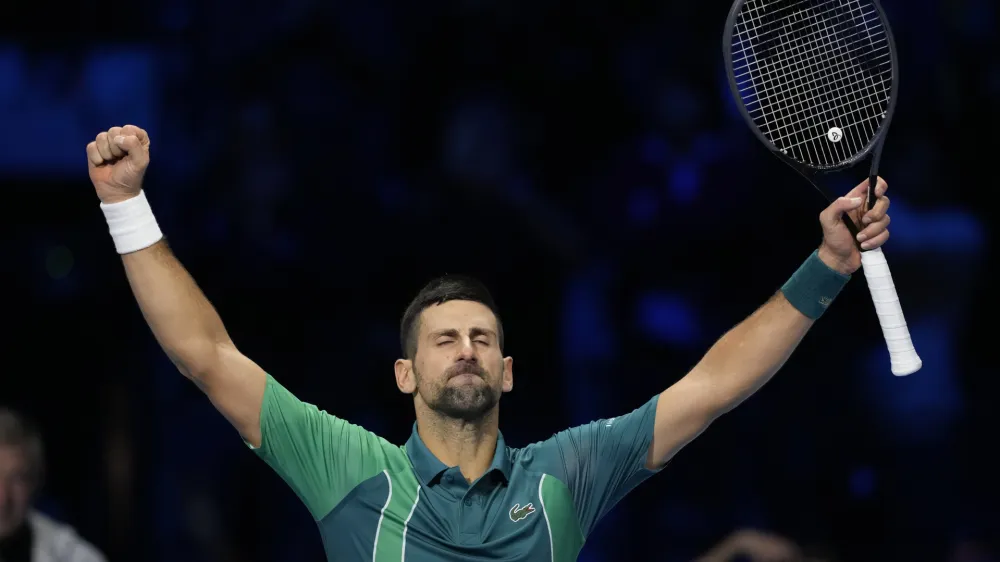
point(838, 249)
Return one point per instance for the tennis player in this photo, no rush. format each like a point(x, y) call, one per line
point(456, 491)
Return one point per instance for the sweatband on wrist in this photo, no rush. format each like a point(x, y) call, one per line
point(813, 287)
point(132, 224)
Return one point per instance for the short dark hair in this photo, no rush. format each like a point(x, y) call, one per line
point(17, 431)
point(438, 291)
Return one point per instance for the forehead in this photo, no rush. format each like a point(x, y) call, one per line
point(457, 315)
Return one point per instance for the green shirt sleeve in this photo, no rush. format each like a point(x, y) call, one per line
point(321, 456)
point(601, 461)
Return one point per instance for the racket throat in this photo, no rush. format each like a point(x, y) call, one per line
point(873, 176)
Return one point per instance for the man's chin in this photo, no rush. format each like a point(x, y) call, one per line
point(470, 415)
point(467, 411)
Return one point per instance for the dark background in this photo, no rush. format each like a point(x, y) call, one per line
point(314, 163)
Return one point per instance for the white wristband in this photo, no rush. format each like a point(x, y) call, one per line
point(132, 224)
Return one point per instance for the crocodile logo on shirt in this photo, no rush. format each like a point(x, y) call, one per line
point(518, 513)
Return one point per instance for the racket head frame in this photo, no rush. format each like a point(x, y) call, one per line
point(810, 172)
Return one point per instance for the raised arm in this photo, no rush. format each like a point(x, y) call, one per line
point(746, 357)
point(320, 456)
point(180, 316)
point(191, 333)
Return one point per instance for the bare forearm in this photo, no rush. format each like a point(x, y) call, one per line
point(182, 319)
point(751, 353)
point(744, 359)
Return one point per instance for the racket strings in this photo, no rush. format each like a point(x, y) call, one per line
point(800, 34)
point(814, 75)
point(786, 123)
point(812, 90)
point(850, 82)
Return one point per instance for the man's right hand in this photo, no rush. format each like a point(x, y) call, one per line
point(117, 160)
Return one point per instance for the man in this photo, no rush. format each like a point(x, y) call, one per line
point(455, 491)
point(26, 535)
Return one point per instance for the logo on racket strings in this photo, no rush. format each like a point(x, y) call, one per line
point(835, 134)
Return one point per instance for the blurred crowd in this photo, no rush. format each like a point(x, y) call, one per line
point(315, 163)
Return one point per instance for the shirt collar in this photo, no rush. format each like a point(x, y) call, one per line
point(429, 467)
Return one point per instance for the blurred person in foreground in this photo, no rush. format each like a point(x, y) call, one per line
point(26, 535)
point(456, 491)
point(752, 545)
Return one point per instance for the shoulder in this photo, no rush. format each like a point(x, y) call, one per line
point(61, 541)
point(541, 456)
point(587, 439)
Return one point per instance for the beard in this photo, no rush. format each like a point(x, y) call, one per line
point(466, 402)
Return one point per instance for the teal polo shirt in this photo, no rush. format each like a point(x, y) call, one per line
point(378, 502)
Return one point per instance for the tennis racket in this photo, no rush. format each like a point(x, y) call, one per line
point(816, 82)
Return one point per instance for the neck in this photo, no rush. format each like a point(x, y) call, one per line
point(469, 445)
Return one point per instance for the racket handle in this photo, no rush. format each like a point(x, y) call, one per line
point(903, 356)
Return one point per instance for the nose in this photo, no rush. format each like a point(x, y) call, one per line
point(468, 350)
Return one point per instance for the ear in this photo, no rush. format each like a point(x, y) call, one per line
point(405, 380)
point(508, 374)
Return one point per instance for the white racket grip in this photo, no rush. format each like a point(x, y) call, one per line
point(903, 356)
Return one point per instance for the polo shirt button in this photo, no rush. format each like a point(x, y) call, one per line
point(468, 501)
point(448, 479)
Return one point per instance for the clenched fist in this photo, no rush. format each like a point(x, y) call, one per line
point(118, 160)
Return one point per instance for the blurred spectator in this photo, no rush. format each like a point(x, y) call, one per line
point(757, 546)
point(970, 550)
point(26, 535)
